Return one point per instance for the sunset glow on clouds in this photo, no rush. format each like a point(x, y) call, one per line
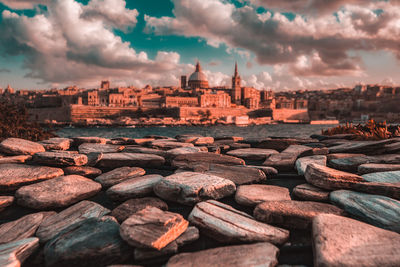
point(285, 44)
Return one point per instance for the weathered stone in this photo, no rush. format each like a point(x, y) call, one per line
point(15, 159)
point(131, 206)
point(251, 195)
point(145, 150)
point(260, 254)
point(96, 140)
point(282, 162)
point(79, 212)
point(342, 155)
point(311, 193)
point(56, 143)
point(172, 153)
point(269, 171)
point(365, 147)
point(196, 140)
point(15, 253)
point(17, 146)
point(380, 211)
point(297, 149)
point(376, 167)
point(6, 201)
point(22, 228)
point(383, 177)
point(252, 153)
point(190, 187)
point(13, 176)
point(231, 138)
point(225, 224)
point(281, 144)
point(183, 161)
point(340, 241)
point(165, 144)
point(92, 242)
point(115, 160)
point(335, 136)
point(233, 146)
point(83, 171)
point(152, 228)
point(87, 148)
point(141, 141)
point(56, 193)
point(94, 158)
point(322, 151)
point(60, 159)
point(351, 164)
point(293, 214)
point(302, 163)
point(119, 175)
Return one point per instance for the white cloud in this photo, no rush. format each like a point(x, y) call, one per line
point(23, 4)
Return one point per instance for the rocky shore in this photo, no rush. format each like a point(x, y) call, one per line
point(200, 201)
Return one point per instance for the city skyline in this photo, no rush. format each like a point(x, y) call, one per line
point(279, 45)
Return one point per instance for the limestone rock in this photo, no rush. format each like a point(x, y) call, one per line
point(6, 201)
point(227, 225)
point(365, 147)
point(311, 193)
point(83, 171)
point(350, 164)
point(383, 177)
point(297, 149)
point(269, 171)
point(152, 228)
point(196, 140)
point(376, 167)
point(172, 153)
point(119, 175)
point(302, 163)
point(15, 159)
point(282, 162)
point(340, 241)
point(17, 146)
point(343, 155)
point(187, 160)
point(252, 153)
point(115, 160)
point(96, 140)
point(280, 144)
point(56, 193)
point(145, 150)
point(293, 214)
point(87, 148)
point(94, 158)
point(56, 143)
point(190, 187)
point(60, 159)
point(15, 253)
point(165, 144)
point(251, 195)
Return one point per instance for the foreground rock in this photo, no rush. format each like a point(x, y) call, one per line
point(57, 193)
point(190, 187)
point(93, 242)
point(119, 175)
point(311, 193)
point(281, 144)
point(251, 195)
point(94, 140)
point(115, 160)
point(87, 148)
point(252, 153)
point(383, 177)
point(380, 211)
point(196, 140)
point(152, 228)
point(17, 146)
point(293, 214)
point(340, 241)
point(260, 254)
point(283, 162)
point(56, 143)
point(302, 163)
point(60, 159)
point(79, 212)
point(225, 224)
point(15, 253)
point(14, 176)
point(172, 153)
point(134, 188)
point(365, 147)
point(187, 160)
point(15, 159)
point(5, 201)
point(82, 171)
point(167, 144)
point(376, 167)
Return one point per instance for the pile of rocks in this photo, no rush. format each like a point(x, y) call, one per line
point(200, 201)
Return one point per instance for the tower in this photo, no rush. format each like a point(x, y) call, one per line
point(183, 81)
point(236, 87)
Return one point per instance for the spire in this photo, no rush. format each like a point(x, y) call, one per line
point(236, 69)
point(198, 67)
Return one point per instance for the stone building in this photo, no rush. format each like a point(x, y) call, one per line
point(198, 79)
point(177, 101)
point(216, 99)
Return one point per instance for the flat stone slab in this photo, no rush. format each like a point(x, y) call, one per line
point(351, 164)
point(282, 162)
point(365, 147)
point(376, 167)
point(187, 160)
point(131, 206)
point(280, 144)
point(82, 171)
point(60, 159)
point(15, 159)
point(297, 149)
point(134, 187)
point(153, 228)
point(13, 176)
point(190, 187)
point(172, 153)
point(79, 212)
point(115, 160)
point(119, 175)
point(91, 139)
point(311, 193)
point(6, 201)
point(302, 163)
point(343, 155)
point(260, 254)
point(293, 214)
point(87, 148)
point(228, 225)
point(377, 210)
point(196, 140)
point(383, 177)
point(56, 143)
point(251, 195)
point(57, 193)
point(341, 241)
point(92, 242)
point(252, 153)
point(145, 150)
point(17, 146)
point(15, 253)
point(166, 144)
point(269, 171)
point(94, 158)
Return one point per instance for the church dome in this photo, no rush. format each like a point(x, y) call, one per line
point(198, 79)
point(198, 76)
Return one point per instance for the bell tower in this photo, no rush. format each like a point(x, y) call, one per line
point(236, 87)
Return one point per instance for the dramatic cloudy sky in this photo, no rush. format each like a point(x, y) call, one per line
point(278, 44)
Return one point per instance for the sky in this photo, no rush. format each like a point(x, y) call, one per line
point(278, 44)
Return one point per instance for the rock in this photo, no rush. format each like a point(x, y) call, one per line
point(233, 146)
point(196, 140)
point(131, 206)
point(323, 151)
point(335, 136)
point(115, 160)
point(280, 144)
point(5, 201)
point(56, 143)
point(119, 175)
point(87, 148)
point(83, 171)
point(365, 147)
point(145, 150)
point(17, 146)
point(15, 253)
point(269, 171)
point(351, 164)
point(134, 187)
point(293, 214)
point(260, 254)
point(142, 141)
point(380, 211)
point(165, 144)
point(343, 155)
point(184, 161)
point(13, 176)
point(376, 167)
point(311, 193)
point(297, 149)
point(60, 159)
point(251, 195)
point(15, 159)
point(190, 187)
point(94, 158)
point(57, 193)
point(252, 153)
point(229, 138)
point(22, 228)
point(225, 224)
point(96, 140)
point(92, 242)
point(152, 228)
point(282, 162)
point(340, 241)
point(172, 153)
point(383, 177)
point(79, 212)
point(302, 163)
